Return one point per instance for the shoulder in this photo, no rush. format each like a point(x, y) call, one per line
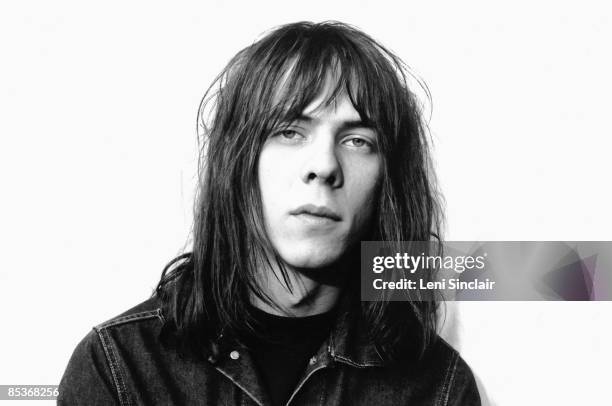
point(147, 311)
point(144, 316)
point(129, 333)
point(458, 384)
point(131, 330)
point(94, 366)
point(92, 375)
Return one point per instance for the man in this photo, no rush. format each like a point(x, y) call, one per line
point(313, 143)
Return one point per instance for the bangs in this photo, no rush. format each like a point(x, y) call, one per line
point(324, 66)
point(308, 80)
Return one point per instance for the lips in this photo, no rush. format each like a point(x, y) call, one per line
point(318, 211)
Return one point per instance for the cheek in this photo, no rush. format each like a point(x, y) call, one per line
point(366, 184)
point(272, 177)
point(366, 202)
point(364, 195)
point(265, 169)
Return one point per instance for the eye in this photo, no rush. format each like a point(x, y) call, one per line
point(288, 134)
point(358, 142)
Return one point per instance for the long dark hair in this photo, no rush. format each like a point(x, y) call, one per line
point(271, 82)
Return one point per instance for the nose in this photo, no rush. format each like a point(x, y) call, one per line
point(322, 164)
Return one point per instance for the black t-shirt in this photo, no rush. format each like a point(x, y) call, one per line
point(282, 353)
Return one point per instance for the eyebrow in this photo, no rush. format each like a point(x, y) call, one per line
point(344, 125)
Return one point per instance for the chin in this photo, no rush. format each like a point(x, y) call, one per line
point(311, 257)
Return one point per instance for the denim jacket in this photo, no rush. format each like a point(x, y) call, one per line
point(123, 362)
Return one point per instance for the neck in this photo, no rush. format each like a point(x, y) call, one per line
point(312, 291)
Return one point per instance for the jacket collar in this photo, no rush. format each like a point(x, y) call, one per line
point(348, 341)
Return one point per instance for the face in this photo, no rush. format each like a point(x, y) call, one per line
point(319, 179)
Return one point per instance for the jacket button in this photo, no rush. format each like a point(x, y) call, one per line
point(313, 360)
point(234, 355)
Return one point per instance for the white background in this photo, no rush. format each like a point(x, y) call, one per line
point(98, 154)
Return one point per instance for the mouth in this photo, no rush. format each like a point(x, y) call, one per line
point(316, 212)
